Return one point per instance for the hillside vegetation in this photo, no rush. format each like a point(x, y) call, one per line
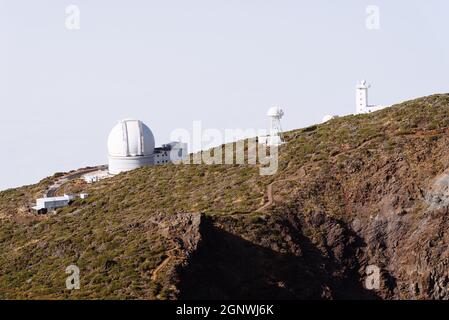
point(356, 191)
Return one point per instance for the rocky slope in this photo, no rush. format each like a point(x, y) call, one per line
point(356, 191)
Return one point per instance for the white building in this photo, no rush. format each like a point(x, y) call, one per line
point(362, 105)
point(44, 205)
point(131, 145)
point(170, 152)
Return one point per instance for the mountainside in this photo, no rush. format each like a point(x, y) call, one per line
point(356, 191)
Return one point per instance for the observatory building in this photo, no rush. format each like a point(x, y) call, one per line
point(362, 99)
point(275, 137)
point(131, 145)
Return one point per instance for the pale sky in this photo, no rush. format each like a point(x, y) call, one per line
point(224, 62)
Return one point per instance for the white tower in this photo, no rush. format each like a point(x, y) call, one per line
point(275, 137)
point(362, 97)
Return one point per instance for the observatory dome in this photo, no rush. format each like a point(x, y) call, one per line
point(130, 138)
point(130, 146)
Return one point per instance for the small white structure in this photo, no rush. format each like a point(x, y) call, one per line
point(362, 105)
point(328, 117)
point(44, 205)
point(131, 145)
point(275, 137)
point(96, 176)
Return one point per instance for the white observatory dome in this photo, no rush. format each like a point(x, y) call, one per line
point(130, 146)
point(275, 112)
point(130, 138)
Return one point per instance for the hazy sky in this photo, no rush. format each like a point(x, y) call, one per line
point(224, 62)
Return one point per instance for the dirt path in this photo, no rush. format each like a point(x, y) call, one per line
point(29, 243)
point(269, 191)
point(269, 196)
point(156, 271)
